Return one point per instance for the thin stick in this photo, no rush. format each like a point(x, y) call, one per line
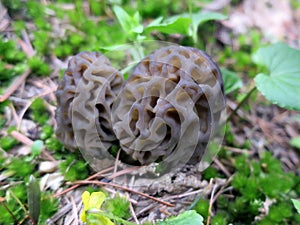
point(133, 213)
point(26, 44)
point(74, 212)
point(114, 192)
point(145, 209)
point(100, 183)
point(125, 171)
point(185, 194)
point(241, 103)
point(222, 189)
point(89, 178)
point(14, 86)
point(210, 204)
point(117, 161)
point(21, 137)
point(223, 168)
point(238, 150)
point(27, 141)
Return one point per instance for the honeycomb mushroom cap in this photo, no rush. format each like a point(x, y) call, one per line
point(169, 106)
point(84, 99)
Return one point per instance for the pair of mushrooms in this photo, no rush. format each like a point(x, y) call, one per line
point(168, 107)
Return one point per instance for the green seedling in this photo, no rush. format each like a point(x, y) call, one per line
point(73, 168)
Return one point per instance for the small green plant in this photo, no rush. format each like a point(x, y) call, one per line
point(23, 200)
point(11, 61)
point(186, 24)
point(73, 168)
point(39, 113)
point(281, 84)
point(255, 181)
point(99, 209)
point(130, 24)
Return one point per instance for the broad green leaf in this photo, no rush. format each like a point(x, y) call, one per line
point(295, 142)
point(232, 81)
point(187, 217)
point(34, 198)
point(199, 18)
point(182, 23)
point(156, 22)
point(202, 17)
point(130, 24)
point(296, 204)
point(123, 18)
point(175, 24)
point(281, 85)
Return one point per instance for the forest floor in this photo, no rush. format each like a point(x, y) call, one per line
point(40, 46)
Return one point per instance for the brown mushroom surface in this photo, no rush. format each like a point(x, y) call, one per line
point(169, 106)
point(84, 98)
point(166, 111)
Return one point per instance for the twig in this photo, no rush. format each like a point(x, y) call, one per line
point(26, 44)
point(125, 171)
point(62, 212)
point(117, 162)
point(210, 204)
point(27, 141)
point(14, 86)
point(184, 195)
point(100, 183)
point(238, 150)
point(14, 113)
point(28, 104)
point(21, 137)
point(89, 178)
point(222, 189)
point(223, 168)
point(241, 103)
point(9, 211)
point(133, 213)
point(145, 209)
point(120, 194)
point(75, 213)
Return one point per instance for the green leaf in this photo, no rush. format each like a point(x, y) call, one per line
point(37, 147)
point(295, 142)
point(296, 204)
point(34, 198)
point(199, 18)
point(181, 23)
point(175, 24)
point(202, 17)
point(156, 22)
point(232, 81)
point(187, 217)
point(130, 24)
point(281, 85)
point(123, 17)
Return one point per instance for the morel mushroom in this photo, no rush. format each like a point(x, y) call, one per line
point(166, 111)
point(85, 97)
point(169, 106)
